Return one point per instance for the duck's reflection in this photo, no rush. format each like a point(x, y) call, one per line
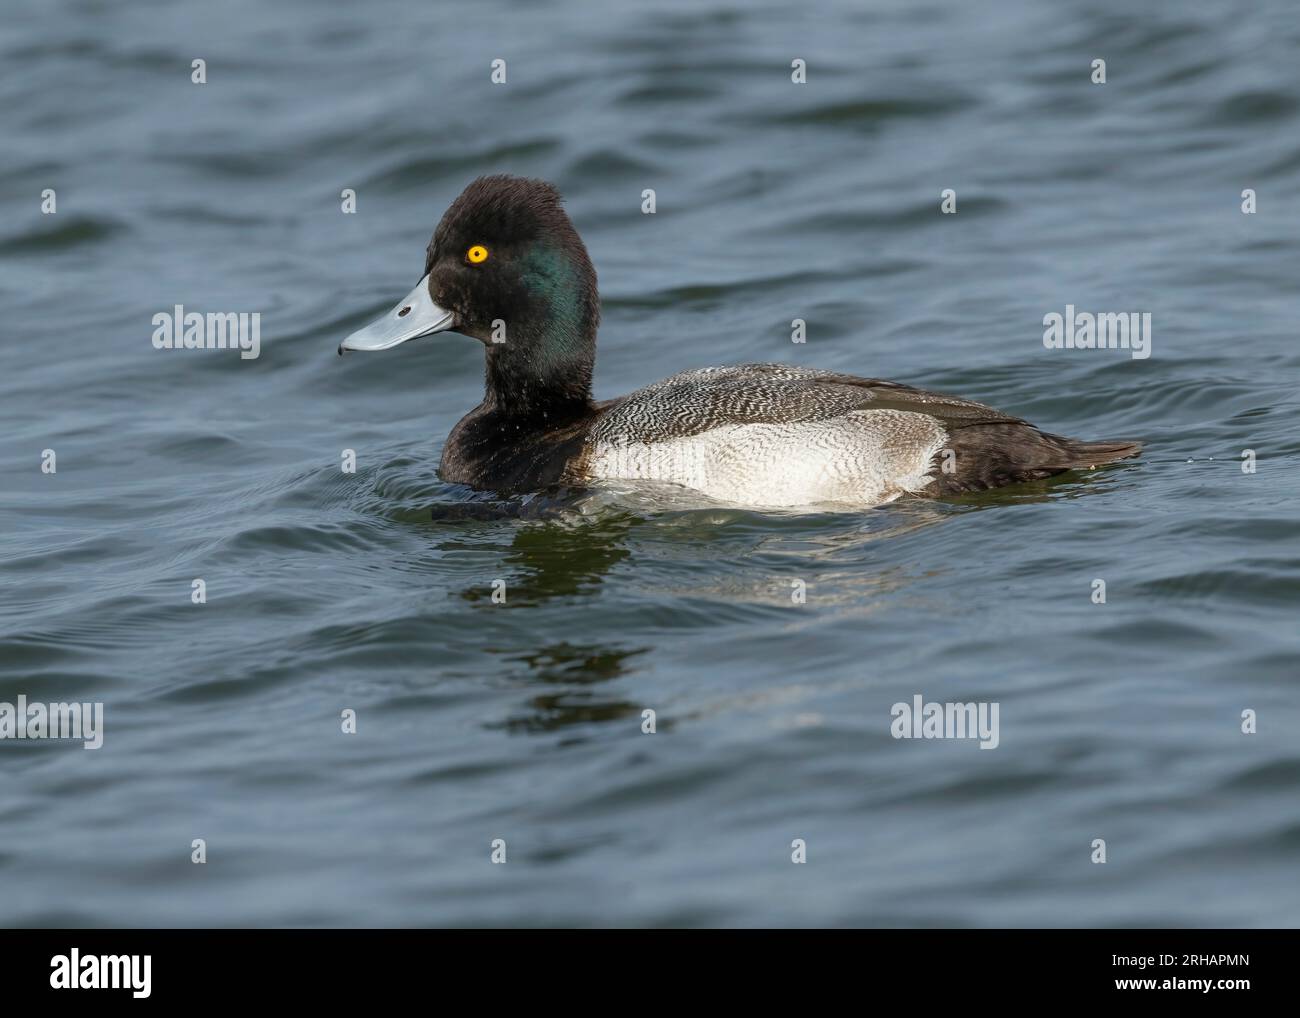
point(570, 555)
point(573, 673)
point(558, 558)
point(559, 555)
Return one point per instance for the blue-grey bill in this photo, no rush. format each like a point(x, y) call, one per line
point(414, 316)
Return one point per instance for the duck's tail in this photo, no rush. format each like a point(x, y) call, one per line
point(989, 455)
point(1074, 455)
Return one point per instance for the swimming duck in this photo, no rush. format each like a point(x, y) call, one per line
point(507, 267)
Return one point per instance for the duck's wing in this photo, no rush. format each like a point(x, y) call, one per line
point(983, 447)
point(951, 410)
point(693, 402)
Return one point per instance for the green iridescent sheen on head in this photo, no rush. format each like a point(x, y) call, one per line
point(553, 280)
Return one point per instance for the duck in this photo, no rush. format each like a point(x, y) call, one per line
point(506, 267)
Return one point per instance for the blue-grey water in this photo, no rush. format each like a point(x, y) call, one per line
point(373, 591)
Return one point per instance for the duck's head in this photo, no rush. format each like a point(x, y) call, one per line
point(506, 267)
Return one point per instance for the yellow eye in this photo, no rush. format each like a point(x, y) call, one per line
point(476, 254)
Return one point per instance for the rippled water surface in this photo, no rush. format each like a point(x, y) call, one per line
point(372, 591)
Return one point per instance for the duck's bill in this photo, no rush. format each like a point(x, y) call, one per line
point(415, 315)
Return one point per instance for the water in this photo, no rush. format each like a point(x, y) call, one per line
point(372, 591)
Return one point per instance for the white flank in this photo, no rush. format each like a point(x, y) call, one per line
point(864, 457)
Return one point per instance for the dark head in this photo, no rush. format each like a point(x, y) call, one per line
point(506, 267)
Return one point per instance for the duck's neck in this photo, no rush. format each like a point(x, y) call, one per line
point(544, 379)
point(522, 435)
